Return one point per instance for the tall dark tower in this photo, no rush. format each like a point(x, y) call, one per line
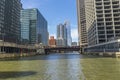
point(2, 6)
point(12, 20)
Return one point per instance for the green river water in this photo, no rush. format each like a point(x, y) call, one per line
point(58, 67)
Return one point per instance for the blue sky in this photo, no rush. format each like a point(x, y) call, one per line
point(55, 12)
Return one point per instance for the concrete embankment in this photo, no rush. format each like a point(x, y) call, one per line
point(104, 54)
point(14, 55)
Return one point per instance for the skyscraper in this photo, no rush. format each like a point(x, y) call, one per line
point(103, 25)
point(61, 35)
point(82, 32)
point(74, 44)
point(103, 20)
point(2, 6)
point(33, 27)
point(10, 20)
point(68, 27)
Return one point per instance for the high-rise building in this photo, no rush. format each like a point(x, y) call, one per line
point(10, 20)
point(61, 35)
point(74, 43)
point(60, 42)
point(61, 31)
point(52, 41)
point(33, 27)
point(2, 6)
point(103, 20)
point(103, 24)
point(82, 32)
point(69, 38)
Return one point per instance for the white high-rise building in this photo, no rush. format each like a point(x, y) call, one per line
point(103, 20)
point(82, 32)
point(103, 25)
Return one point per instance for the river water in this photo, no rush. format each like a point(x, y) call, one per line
point(42, 67)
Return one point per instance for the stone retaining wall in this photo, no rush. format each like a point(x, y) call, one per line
point(14, 55)
point(106, 54)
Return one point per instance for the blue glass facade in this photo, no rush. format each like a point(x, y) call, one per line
point(69, 38)
point(61, 35)
point(64, 34)
point(33, 27)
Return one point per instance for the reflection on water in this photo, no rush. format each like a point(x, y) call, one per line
point(5, 75)
point(60, 67)
point(43, 67)
point(101, 68)
point(46, 57)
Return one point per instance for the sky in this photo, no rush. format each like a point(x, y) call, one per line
point(56, 12)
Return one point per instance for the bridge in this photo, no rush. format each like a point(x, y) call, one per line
point(7, 47)
point(61, 49)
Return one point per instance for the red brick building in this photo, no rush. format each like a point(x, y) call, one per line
point(52, 41)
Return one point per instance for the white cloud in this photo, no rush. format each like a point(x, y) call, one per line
point(74, 34)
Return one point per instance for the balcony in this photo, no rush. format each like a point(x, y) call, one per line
point(102, 40)
point(116, 15)
point(100, 20)
point(117, 11)
point(109, 28)
point(117, 23)
point(117, 33)
point(107, 7)
point(110, 32)
point(101, 32)
point(106, 0)
point(108, 19)
point(115, 2)
point(115, 6)
point(108, 15)
point(106, 3)
point(99, 4)
point(101, 36)
point(109, 36)
point(99, 12)
point(98, 1)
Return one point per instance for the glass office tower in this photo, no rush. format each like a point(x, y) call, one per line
point(69, 38)
point(61, 40)
point(33, 27)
